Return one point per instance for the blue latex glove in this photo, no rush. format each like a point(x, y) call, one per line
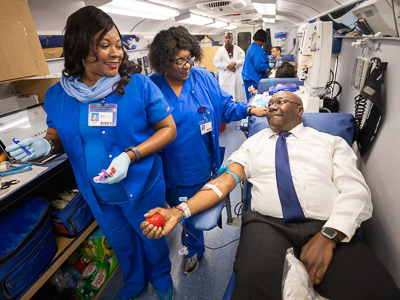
point(121, 164)
point(36, 146)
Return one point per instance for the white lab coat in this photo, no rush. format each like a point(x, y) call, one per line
point(231, 82)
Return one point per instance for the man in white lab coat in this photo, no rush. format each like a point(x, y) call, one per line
point(229, 59)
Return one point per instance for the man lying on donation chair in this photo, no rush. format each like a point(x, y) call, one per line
point(307, 193)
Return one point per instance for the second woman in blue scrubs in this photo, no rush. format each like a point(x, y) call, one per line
point(199, 106)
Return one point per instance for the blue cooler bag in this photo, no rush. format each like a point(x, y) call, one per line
point(73, 219)
point(27, 244)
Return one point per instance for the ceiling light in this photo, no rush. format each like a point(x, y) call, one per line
point(265, 7)
point(217, 24)
point(268, 18)
point(135, 8)
point(190, 18)
point(230, 27)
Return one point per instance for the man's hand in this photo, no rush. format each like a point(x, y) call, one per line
point(233, 70)
point(316, 256)
point(231, 66)
point(171, 218)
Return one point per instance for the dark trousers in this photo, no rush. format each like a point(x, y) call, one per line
point(355, 272)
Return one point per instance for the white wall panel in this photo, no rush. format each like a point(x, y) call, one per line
point(381, 164)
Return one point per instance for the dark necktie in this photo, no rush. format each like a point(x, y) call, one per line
point(291, 209)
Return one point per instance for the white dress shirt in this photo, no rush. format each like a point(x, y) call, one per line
point(328, 184)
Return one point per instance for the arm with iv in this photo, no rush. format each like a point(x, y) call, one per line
point(210, 195)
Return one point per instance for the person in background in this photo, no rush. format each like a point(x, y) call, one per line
point(256, 62)
point(199, 105)
point(97, 72)
point(285, 70)
point(229, 60)
point(276, 56)
point(133, 42)
point(306, 193)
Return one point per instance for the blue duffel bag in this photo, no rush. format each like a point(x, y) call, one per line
point(27, 244)
point(73, 219)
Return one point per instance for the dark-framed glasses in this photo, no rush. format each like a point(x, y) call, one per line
point(181, 63)
point(280, 102)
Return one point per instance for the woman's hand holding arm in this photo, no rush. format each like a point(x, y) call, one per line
point(258, 111)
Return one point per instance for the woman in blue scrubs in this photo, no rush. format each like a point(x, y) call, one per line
point(256, 62)
point(135, 122)
point(199, 105)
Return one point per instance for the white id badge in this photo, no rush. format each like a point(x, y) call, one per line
point(205, 126)
point(102, 114)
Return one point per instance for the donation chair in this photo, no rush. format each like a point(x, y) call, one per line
point(290, 57)
point(266, 83)
point(338, 124)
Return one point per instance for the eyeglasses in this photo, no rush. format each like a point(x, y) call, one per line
point(280, 103)
point(181, 63)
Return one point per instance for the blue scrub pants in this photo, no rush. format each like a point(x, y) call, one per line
point(247, 84)
point(172, 197)
point(140, 258)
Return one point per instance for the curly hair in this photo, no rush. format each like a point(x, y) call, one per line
point(167, 44)
point(79, 31)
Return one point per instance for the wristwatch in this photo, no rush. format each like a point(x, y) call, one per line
point(51, 147)
point(330, 234)
point(134, 150)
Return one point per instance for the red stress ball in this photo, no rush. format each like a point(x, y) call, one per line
point(156, 220)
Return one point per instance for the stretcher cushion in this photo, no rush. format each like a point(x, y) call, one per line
point(338, 124)
point(290, 57)
point(208, 219)
point(266, 83)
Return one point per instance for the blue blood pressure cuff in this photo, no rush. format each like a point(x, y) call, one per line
point(226, 169)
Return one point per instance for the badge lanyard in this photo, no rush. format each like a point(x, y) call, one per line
point(207, 128)
point(102, 115)
point(205, 124)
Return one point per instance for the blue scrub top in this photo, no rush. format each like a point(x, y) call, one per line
point(96, 160)
point(255, 64)
point(191, 157)
point(142, 105)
